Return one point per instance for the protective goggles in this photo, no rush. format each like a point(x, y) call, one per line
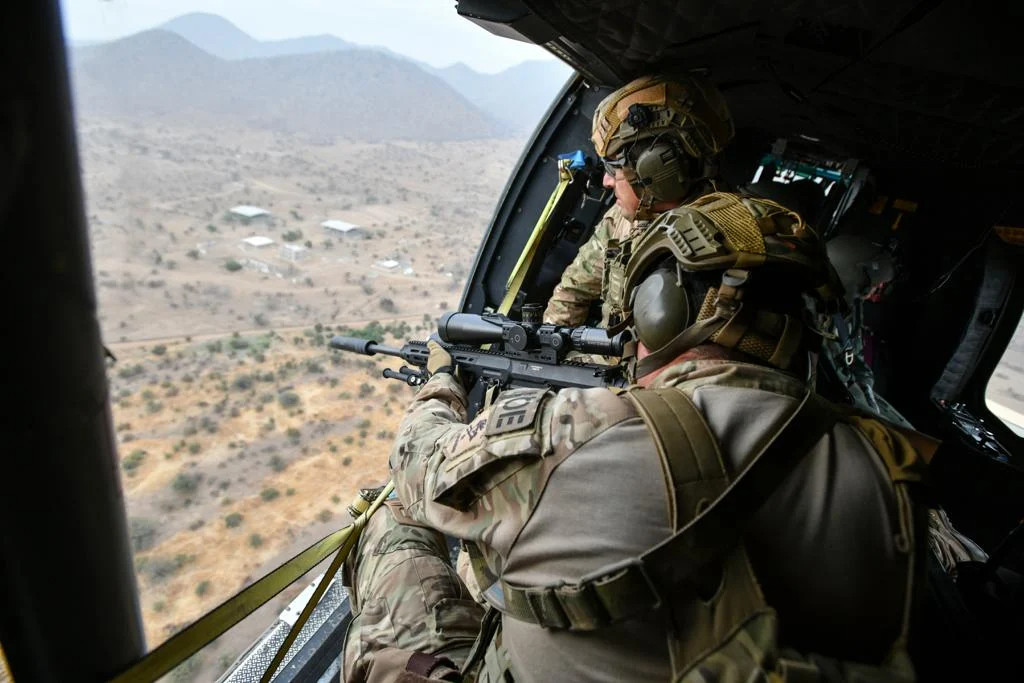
point(613, 165)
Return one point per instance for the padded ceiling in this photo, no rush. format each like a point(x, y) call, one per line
point(894, 82)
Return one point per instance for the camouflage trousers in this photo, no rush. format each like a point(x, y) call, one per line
point(407, 603)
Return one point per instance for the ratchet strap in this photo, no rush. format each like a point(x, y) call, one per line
point(179, 647)
point(518, 275)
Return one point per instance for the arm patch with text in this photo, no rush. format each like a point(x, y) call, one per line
point(514, 411)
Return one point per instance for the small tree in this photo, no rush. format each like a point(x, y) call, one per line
point(233, 265)
point(142, 532)
point(132, 461)
point(186, 483)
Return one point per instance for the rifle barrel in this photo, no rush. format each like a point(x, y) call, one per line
point(362, 346)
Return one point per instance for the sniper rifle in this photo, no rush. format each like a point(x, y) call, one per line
point(522, 353)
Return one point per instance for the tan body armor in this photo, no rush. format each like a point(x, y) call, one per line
point(700, 224)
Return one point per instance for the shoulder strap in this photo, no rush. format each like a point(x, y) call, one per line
point(687, 448)
point(634, 586)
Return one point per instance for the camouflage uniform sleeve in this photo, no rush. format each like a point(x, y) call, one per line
point(480, 482)
point(438, 410)
point(581, 281)
point(446, 472)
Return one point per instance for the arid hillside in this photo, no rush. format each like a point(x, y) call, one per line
point(159, 76)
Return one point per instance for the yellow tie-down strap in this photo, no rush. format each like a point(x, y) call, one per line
point(515, 279)
point(215, 623)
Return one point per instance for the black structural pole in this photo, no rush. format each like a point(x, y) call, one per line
point(68, 603)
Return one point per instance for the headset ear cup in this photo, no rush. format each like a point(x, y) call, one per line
point(662, 172)
point(661, 309)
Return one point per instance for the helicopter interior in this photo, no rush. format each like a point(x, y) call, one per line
point(847, 114)
point(897, 123)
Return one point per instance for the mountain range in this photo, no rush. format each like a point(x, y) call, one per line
point(203, 67)
point(219, 37)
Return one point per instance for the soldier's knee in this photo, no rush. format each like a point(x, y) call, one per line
point(391, 529)
point(393, 551)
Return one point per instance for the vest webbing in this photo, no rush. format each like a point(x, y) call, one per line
point(634, 586)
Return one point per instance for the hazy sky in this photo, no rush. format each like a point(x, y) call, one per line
point(427, 30)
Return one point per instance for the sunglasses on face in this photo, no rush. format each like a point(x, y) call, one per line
point(613, 165)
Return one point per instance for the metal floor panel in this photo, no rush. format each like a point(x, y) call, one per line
point(330, 616)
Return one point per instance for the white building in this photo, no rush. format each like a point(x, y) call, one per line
point(387, 264)
point(343, 228)
point(249, 213)
point(294, 252)
point(258, 241)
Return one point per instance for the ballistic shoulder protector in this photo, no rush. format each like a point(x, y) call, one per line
point(751, 243)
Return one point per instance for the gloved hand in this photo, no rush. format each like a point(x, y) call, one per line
point(439, 360)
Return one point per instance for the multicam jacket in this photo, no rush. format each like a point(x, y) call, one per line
point(549, 487)
point(582, 281)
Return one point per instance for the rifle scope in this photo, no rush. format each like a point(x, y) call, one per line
point(470, 328)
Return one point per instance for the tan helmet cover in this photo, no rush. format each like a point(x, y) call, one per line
point(690, 109)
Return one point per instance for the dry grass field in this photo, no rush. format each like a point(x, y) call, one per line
point(241, 437)
point(163, 240)
point(237, 453)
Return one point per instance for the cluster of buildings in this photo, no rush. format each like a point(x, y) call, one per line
point(289, 251)
point(294, 252)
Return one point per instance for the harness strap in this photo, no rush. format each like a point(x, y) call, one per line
point(636, 585)
point(688, 450)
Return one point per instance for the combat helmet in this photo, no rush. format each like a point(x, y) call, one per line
point(663, 133)
point(734, 271)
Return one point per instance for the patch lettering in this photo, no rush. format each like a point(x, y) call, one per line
point(516, 413)
point(469, 438)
